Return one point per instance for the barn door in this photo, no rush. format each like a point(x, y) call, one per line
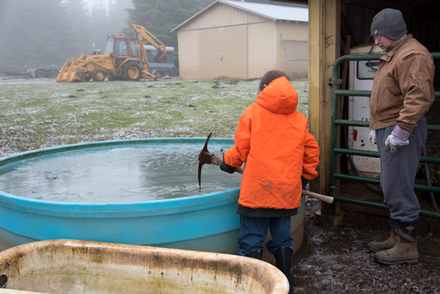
point(225, 53)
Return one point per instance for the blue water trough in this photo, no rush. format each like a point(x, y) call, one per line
point(206, 222)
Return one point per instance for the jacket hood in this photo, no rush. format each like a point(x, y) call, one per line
point(279, 97)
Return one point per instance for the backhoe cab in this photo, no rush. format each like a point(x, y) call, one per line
point(124, 58)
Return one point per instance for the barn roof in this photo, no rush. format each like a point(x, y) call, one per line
point(275, 12)
point(272, 12)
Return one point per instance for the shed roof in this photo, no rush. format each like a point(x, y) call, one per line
point(276, 12)
point(272, 12)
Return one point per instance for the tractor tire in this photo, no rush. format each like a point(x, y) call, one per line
point(131, 71)
point(53, 73)
point(98, 75)
point(40, 73)
point(157, 73)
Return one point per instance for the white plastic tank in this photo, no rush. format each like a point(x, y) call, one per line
point(361, 74)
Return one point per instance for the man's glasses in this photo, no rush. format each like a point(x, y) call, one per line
point(376, 38)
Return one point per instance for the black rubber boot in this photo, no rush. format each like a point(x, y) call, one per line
point(405, 250)
point(388, 244)
point(256, 254)
point(283, 257)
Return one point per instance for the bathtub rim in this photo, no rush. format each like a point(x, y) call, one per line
point(279, 285)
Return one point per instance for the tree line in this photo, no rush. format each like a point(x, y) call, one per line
point(44, 33)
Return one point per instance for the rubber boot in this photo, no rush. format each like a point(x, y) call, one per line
point(405, 250)
point(256, 254)
point(283, 258)
point(388, 244)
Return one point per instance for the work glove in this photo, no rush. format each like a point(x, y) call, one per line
point(304, 183)
point(226, 167)
point(398, 138)
point(372, 137)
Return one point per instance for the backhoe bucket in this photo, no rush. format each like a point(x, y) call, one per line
point(161, 57)
point(162, 54)
point(69, 73)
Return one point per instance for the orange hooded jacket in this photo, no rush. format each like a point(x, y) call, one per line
point(274, 141)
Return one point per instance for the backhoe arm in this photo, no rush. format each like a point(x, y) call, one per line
point(142, 34)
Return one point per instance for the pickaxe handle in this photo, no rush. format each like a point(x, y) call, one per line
point(321, 197)
point(218, 161)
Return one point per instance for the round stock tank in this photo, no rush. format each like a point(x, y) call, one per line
point(101, 192)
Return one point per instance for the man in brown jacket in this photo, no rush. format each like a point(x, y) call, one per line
point(402, 93)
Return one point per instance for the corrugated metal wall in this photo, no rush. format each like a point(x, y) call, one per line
point(226, 42)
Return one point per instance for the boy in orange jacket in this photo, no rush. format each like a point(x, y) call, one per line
point(281, 155)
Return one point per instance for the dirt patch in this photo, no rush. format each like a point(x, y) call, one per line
point(336, 259)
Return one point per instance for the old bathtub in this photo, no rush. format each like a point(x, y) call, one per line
point(71, 266)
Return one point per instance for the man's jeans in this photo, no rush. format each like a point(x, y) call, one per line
point(398, 172)
point(253, 232)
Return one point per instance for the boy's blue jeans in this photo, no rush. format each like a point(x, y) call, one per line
point(253, 232)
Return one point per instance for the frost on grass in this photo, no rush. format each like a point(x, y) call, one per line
point(37, 113)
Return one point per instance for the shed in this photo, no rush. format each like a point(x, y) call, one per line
point(241, 40)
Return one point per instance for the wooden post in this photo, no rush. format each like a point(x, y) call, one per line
point(324, 49)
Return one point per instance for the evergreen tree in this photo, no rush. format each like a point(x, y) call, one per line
point(99, 26)
point(160, 17)
point(45, 32)
point(34, 34)
point(79, 21)
point(118, 15)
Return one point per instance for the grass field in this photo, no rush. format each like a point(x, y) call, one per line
point(39, 113)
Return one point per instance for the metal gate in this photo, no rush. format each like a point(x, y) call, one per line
point(336, 151)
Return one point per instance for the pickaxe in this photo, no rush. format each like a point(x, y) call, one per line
point(206, 157)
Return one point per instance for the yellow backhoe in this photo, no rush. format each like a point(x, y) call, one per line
point(124, 58)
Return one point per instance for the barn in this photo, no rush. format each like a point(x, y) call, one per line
point(241, 40)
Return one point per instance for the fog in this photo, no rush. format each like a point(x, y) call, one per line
point(92, 3)
point(44, 33)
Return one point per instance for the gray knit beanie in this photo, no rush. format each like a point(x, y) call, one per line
point(389, 23)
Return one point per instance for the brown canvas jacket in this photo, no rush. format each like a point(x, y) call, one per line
point(403, 87)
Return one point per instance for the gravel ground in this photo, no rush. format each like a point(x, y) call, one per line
point(336, 259)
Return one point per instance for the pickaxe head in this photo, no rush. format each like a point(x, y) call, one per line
point(204, 157)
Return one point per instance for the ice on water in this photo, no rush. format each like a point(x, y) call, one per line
point(128, 173)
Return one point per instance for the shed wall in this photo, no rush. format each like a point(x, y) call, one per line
point(261, 44)
point(221, 15)
point(226, 42)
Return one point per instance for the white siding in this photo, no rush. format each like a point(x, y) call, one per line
point(213, 53)
point(226, 42)
point(261, 47)
point(222, 15)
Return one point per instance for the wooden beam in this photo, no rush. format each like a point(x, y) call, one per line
point(324, 49)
